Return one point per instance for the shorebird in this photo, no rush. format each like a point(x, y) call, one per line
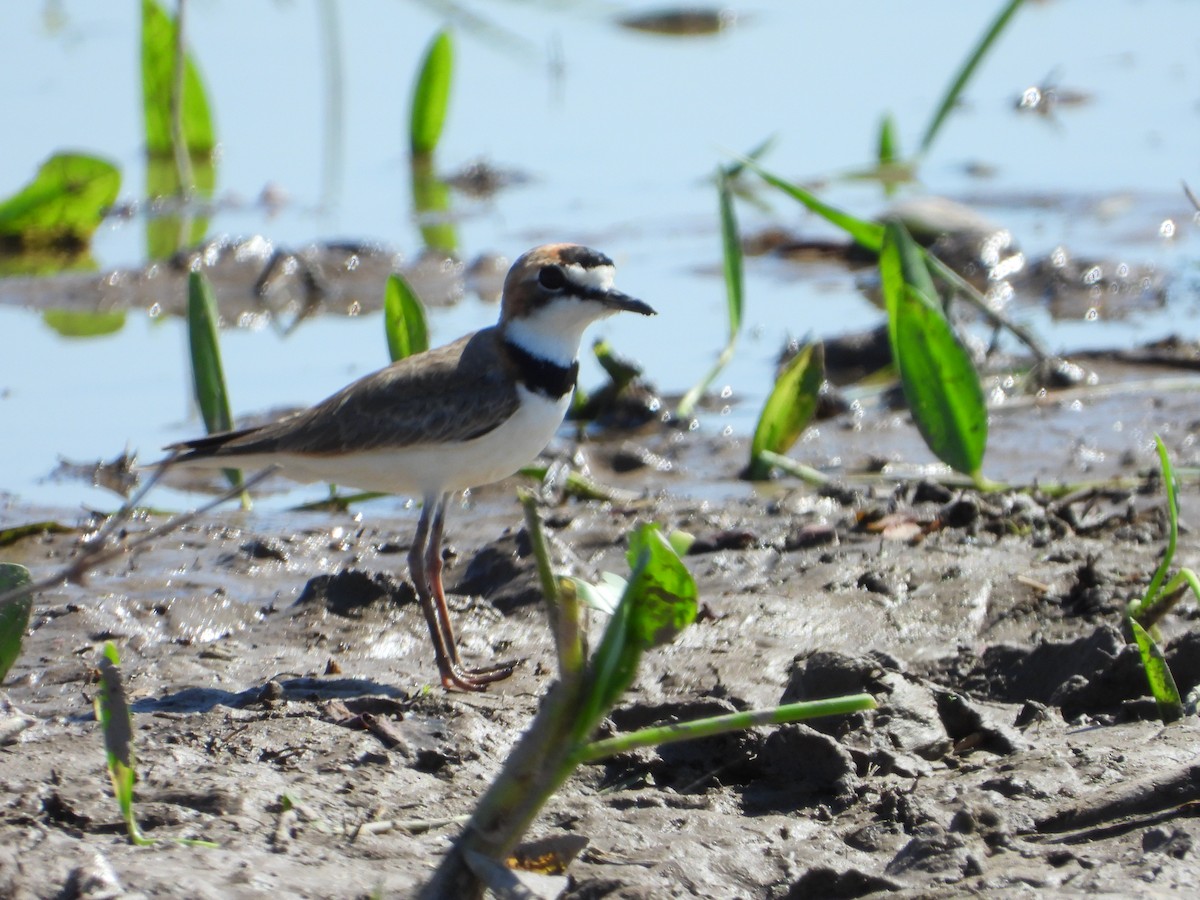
point(456, 417)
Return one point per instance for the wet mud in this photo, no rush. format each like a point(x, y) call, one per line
point(285, 703)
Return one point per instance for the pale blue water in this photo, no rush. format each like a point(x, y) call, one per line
point(619, 147)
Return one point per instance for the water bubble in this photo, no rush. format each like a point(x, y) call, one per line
point(1092, 314)
point(1167, 228)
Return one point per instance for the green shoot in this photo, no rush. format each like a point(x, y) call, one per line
point(936, 372)
point(14, 615)
point(888, 151)
point(431, 95)
point(208, 379)
point(1158, 675)
point(657, 601)
point(404, 319)
point(789, 408)
point(1160, 596)
point(964, 74)
point(731, 244)
point(116, 721)
point(61, 208)
point(112, 712)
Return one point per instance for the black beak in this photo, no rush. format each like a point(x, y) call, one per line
point(616, 300)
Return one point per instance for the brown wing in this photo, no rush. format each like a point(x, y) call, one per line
point(453, 393)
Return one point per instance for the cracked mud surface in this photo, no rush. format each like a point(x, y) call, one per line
point(1014, 750)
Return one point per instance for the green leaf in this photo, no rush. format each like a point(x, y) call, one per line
point(888, 151)
point(659, 601)
point(158, 67)
point(731, 255)
point(1162, 683)
point(789, 408)
point(116, 721)
point(82, 324)
point(1170, 487)
point(14, 615)
point(15, 533)
point(664, 593)
point(208, 380)
point(63, 205)
point(965, 72)
point(431, 95)
point(865, 234)
point(936, 372)
point(404, 319)
point(731, 259)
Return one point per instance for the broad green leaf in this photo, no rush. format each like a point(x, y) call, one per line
point(404, 319)
point(789, 408)
point(63, 205)
point(865, 234)
point(936, 372)
point(1159, 677)
point(80, 324)
point(431, 95)
point(14, 615)
point(965, 72)
point(663, 590)
point(158, 73)
point(208, 380)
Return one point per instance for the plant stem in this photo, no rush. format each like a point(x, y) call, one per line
point(702, 728)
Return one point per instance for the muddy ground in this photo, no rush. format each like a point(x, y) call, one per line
point(1014, 750)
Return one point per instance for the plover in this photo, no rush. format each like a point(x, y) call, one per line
point(460, 416)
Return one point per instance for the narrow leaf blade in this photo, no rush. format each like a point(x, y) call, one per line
point(866, 234)
point(208, 378)
point(936, 372)
point(158, 62)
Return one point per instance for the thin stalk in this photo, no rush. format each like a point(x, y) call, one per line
point(702, 728)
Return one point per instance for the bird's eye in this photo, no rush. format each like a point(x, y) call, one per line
point(552, 278)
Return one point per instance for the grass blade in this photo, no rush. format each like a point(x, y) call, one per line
point(936, 372)
point(208, 379)
point(888, 150)
point(788, 409)
point(731, 255)
point(14, 615)
point(1162, 682)
point(866, 234)
point(954, 91)
point(1160, 574)
point(431, 95)
point(404, 319)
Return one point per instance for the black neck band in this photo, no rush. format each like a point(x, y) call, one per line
point(540, 375)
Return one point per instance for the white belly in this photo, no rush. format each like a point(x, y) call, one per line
point(428, 469)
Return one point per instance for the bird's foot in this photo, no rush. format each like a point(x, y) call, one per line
point(454, 677)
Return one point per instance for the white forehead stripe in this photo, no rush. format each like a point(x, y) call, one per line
point(597, 277)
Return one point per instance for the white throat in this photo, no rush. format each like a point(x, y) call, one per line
point(553, 332)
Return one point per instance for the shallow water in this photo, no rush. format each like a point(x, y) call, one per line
point(618, 132)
